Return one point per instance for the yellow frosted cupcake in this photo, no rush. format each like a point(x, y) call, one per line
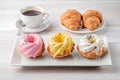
point(60, 45)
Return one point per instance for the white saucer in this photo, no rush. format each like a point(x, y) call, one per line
point(85, 30)
point(43, 26)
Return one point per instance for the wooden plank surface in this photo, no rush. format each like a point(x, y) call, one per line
point(9, 13)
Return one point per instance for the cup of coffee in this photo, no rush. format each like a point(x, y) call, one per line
point(33, 16)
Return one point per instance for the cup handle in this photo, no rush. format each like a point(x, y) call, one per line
point(45, 16)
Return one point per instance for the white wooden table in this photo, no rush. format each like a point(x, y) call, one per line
point(9, 13)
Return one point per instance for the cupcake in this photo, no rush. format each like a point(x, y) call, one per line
point(31, 45)
point(60, 45)
point(91, 46)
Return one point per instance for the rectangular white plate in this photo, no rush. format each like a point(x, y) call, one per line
point(76, 60)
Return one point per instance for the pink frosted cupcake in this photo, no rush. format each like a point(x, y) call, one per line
point(31, 45)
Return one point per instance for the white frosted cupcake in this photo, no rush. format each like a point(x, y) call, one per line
point(91, 46)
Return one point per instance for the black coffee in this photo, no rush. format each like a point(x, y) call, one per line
point(31, 13)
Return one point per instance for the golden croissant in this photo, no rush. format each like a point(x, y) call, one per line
point(92, 19)
point(71, 19)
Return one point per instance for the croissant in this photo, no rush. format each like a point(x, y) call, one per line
point(71, 19)
point(92, 19)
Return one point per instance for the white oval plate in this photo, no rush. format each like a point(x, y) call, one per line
point(85, 30)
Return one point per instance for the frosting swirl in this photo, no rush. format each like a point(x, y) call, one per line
point(31, 44)
point(59, 43)
point(91, 42)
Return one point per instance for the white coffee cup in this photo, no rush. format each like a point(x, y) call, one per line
point(33, 16)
